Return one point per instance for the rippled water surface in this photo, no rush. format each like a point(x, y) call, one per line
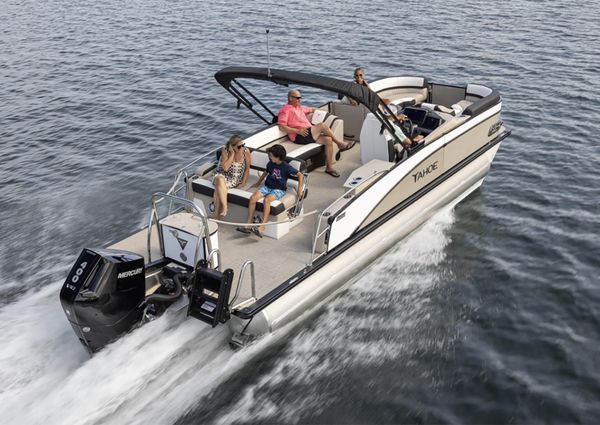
point(487, 314)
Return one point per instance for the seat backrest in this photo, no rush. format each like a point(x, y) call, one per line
point(353, 116)
point(396, 88)
point(265, 136)
point(475, 92)
point(259, 160)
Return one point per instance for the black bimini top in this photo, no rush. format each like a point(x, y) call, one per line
point(354, 91)
point(228, 78)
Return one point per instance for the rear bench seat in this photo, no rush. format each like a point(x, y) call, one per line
point(239, 199)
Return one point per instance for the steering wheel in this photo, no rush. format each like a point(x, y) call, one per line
point(408, 128)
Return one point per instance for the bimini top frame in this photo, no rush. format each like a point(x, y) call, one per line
point(228, 78)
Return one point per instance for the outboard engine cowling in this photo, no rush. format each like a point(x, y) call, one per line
point(103, 295)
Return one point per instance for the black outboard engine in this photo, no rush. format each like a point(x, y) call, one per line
point(103, 295)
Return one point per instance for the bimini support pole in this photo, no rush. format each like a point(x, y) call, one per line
point(268, 56)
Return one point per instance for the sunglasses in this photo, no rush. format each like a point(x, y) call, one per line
point(241, 146)
point(359, 75)
point(297, 97)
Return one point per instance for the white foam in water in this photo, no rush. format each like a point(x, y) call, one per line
point(329, 346)
point(161, 370)
point(149, 376)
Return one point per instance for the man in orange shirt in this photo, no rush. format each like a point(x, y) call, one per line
point(292, 119)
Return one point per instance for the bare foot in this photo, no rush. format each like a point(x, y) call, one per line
point(224, 212)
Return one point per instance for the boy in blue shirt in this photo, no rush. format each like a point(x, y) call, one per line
point(276, 173)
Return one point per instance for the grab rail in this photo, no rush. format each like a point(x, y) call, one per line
point(182, 171)
point(326, 212)
point(252, 282)
point(153, 213)
point(295, 211)
point(173, 190)
point(159, 197)
point(218, 254)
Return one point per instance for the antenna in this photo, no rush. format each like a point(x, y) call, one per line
point(268, 57)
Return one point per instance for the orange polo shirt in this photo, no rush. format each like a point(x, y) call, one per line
point(294, 116)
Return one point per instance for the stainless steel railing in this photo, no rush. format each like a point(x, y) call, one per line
point(216, 252)
point(154, 220)
point(240, 279)
point(183, 173)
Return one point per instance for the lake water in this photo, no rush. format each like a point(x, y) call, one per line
point(489, 313)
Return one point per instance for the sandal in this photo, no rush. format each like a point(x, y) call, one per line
point(243, 230)
point(257, 232)
point(333, 173)
point(349, 145)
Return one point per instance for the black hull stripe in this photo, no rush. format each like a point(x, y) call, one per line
point(249, 312)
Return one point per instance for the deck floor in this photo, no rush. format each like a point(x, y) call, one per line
point(275, 260)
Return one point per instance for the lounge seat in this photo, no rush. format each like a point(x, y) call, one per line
point(238, 199)
point(401, 89)
point(312, 154)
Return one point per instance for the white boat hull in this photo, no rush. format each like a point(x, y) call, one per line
point(322, 284)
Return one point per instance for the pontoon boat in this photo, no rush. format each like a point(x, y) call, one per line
point(185, 261)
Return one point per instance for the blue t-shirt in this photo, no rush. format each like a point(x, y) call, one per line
point(277, 175)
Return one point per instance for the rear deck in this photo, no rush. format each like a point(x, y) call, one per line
point(275, 260)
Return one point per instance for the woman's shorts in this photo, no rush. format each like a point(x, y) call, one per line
point(266, 191)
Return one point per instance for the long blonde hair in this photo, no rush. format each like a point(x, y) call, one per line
point(232, 140)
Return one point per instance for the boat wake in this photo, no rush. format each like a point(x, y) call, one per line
point(388, 318)
point(162, 370)
point(151, 375)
